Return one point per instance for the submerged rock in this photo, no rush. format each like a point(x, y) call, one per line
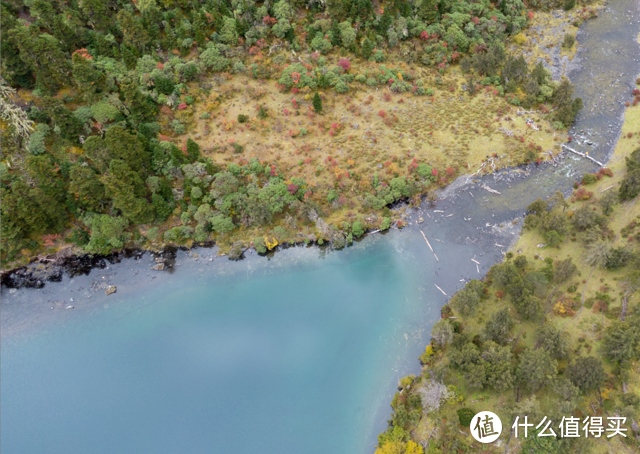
point(158, 267)
point(110, 289)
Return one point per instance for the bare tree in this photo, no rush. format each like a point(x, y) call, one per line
point(12, 113)
point(433, 393)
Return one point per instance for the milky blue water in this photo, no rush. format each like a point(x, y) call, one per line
point(296, 355)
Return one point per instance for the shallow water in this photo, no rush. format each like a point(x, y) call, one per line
point(300, 353)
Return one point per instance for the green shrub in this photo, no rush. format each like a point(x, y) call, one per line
point(212, 58)
point(465, 416)
point(568, 41)
point(260, 245)
point(83, 114)
point(36, 144)
point(424, 170)
point(153, 233)
point(178, 127)
point(243, 118)
point(163, 85)
point(104, 112)
point(79, 237)
point(221, 223)
point(205, 115)
point(385, 224)
point(379, 56)
point(341, 86)
point(296, 76)
point(107, 233)
point(357, 229)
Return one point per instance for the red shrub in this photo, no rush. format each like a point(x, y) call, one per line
point(344, 63)
point(382, 114)
point(450, 172)
point(583, 194)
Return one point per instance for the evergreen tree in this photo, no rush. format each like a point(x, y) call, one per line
point(586, 373)
point(135, 36)
point(385, 22)
point(367, 48)
point(498, 328)
point(161, 207)
point(89, 80)
point(126, 146)
point(43, 54)
point(336, 39)
point(98, 152)
point(317, 103)
point(46, 174)
point(128, 57)
point(96, 14)
point(535, 368)
point(621, 341)
point(28, 210)
point(16, 71)
point(71, 128)
point(428, 10)
point(126, 189)
point(193, 150)
point(86, 188)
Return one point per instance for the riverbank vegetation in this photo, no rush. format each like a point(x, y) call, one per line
point(553, 330)
point(252, 124)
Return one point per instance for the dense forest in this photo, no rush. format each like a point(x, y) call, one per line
point(98, 98)
point(552, 331)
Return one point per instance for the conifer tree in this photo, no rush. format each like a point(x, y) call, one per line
point(317, 103)
point(193, 150)
point(127, 191)
point(367, 48)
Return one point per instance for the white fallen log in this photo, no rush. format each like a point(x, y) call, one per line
point(429, 244)
point(582, 154)
point(492, 191)
point(441, 290)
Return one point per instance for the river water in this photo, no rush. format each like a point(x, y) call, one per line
point(298, 353)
